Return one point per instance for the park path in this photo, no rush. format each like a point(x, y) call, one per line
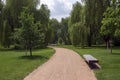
point(65, 64)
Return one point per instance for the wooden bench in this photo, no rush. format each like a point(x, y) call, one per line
point(92, 61)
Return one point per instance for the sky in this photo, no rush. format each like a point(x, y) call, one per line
point(59, 8)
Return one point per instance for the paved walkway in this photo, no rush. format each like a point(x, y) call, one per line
point(65, 64)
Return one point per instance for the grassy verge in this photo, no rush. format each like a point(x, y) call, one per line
point(14, 65)
point(110, 63)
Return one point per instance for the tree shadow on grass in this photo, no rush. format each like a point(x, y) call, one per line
point(115, 53)
point(34, 57)
point(83, 48)
point(6, 49)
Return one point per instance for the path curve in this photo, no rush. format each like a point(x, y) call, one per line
point(65, 64)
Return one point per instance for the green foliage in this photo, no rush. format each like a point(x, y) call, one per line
point(89, 14)
point(74, 18)
point(64, 31)
point(108, 26)
point(75, 34)
point(77, 29)
point(29, 33)
point(59, 31)
point(10, 12)
point(1, 28)
point(76, 13)
point(111, 23)
point(44, 15)
point(79, 33)
point(44, 19)
point(60, 41)
point(54, 26)
point(94, 10)
point(6, 42)
point(15, 7)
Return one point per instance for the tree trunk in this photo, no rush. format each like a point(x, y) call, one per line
point(26, 50)
point(111, 49)
point(30, 51)
point(90, 38)
point(108, 44)
point(89, 41)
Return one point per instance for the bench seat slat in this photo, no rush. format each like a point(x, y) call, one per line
point(90, 58)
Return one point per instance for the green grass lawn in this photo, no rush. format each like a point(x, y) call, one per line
point(110, 63)
point(14, 65)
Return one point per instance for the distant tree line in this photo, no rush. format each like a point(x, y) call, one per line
point(24, 25)
point(94, 22)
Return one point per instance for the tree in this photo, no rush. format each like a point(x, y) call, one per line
point(94, 10)
point(79, 34)
point(1, 28)
point(64, 31)
point(76, 25)
point(15, 7)
point(44, 19)
point(75, 18)
point(111, 24)
point(6, 38)
point(75, 34)
point(54, 26)
point(9, 13)
point(29, 33)
point(76, 13)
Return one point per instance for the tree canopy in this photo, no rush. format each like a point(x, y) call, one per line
point(29, 34)
point(92, 22)
point(111, 22)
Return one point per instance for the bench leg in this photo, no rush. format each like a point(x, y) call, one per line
point(94, 66)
